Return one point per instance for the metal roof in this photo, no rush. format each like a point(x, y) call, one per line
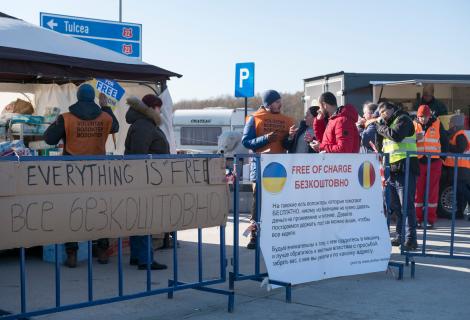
point(419, 82)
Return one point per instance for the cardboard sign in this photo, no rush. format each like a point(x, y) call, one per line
point(62, 201)
point(322, 216)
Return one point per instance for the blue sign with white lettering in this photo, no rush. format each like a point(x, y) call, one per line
point(245, 79)
point(110, 88)
point(125, 38)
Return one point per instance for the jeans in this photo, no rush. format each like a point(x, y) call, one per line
point(397, 198)
point(139, 246)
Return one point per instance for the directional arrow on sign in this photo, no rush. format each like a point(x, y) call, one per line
point(52, 24)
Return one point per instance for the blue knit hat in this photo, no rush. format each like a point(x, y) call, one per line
point(86, 93)
point(270, 96)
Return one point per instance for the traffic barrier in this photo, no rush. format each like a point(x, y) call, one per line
point(174, 284)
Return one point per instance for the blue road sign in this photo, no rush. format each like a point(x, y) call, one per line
point(245, 79)
point(122, 37)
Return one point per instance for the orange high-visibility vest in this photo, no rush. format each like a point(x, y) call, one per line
point(463, 162)
point(86, 137)
point(266, 122)
point(429, 141)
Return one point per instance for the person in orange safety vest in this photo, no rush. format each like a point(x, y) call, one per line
point(84, 131)
point(266, 131)
point(431, 137)
point(459, 143)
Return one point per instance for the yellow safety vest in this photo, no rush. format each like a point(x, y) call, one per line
point(397, 150)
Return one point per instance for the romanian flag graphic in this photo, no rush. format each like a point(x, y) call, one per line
point(274, 177)
point(366, 175)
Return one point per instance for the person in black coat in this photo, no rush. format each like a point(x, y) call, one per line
point(396, 125)
point(299, 138)
point(144, 137)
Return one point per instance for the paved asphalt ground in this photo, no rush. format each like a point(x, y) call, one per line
point(440, 290)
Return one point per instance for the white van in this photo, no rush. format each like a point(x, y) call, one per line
point(198, 130)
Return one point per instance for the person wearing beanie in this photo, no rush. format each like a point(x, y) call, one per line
point(84, 130)
point(431, 137)
point(266, 131)
point(395, 137)
point(144, 137)
point(438, 108)
point(459, 144)
point(335, 128)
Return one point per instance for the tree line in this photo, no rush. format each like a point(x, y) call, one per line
point(292, 103)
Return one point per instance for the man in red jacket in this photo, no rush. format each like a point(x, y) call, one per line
point(339, 134)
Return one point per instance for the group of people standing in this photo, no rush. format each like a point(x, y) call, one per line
point(385, 128)
point(143, 137)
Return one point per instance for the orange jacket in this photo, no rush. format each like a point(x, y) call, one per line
point(86, 137)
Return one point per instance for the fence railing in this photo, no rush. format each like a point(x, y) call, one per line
point(424, 250)
point(174, 284)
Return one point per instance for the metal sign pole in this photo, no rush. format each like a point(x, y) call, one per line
point(120, 10)
point(246, 108)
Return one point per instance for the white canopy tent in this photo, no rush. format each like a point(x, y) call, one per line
point(49, 65)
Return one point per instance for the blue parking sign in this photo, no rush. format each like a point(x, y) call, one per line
point(245, 79)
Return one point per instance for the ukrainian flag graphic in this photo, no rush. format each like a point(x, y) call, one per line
point(366, 175)
point(274, 177)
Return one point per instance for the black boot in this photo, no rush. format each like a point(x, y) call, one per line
point(410, 245)
point(154, 266)
point(252, 244)
point(71, 261)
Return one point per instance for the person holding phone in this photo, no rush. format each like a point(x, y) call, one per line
point(299, 138)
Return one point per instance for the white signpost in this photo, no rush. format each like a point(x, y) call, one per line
point(322, 216)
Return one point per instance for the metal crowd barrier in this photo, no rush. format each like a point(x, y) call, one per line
point(409, 255)
point(173, 284)
point(257, 275)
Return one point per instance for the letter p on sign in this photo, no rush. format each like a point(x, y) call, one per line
point(245, 80)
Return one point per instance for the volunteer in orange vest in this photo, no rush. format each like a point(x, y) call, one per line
point(459, 143)
point(266, 131)
point(84, 131)
point(430, 137)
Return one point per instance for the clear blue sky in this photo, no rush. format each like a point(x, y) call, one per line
point(288, 40)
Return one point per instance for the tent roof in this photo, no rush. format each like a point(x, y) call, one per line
point(29, 53)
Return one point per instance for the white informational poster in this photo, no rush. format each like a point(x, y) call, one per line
point(322, 216)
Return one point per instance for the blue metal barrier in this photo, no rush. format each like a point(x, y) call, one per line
point(423, 252)
point(257, 275)
point(388, 211)
point(173, 284)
